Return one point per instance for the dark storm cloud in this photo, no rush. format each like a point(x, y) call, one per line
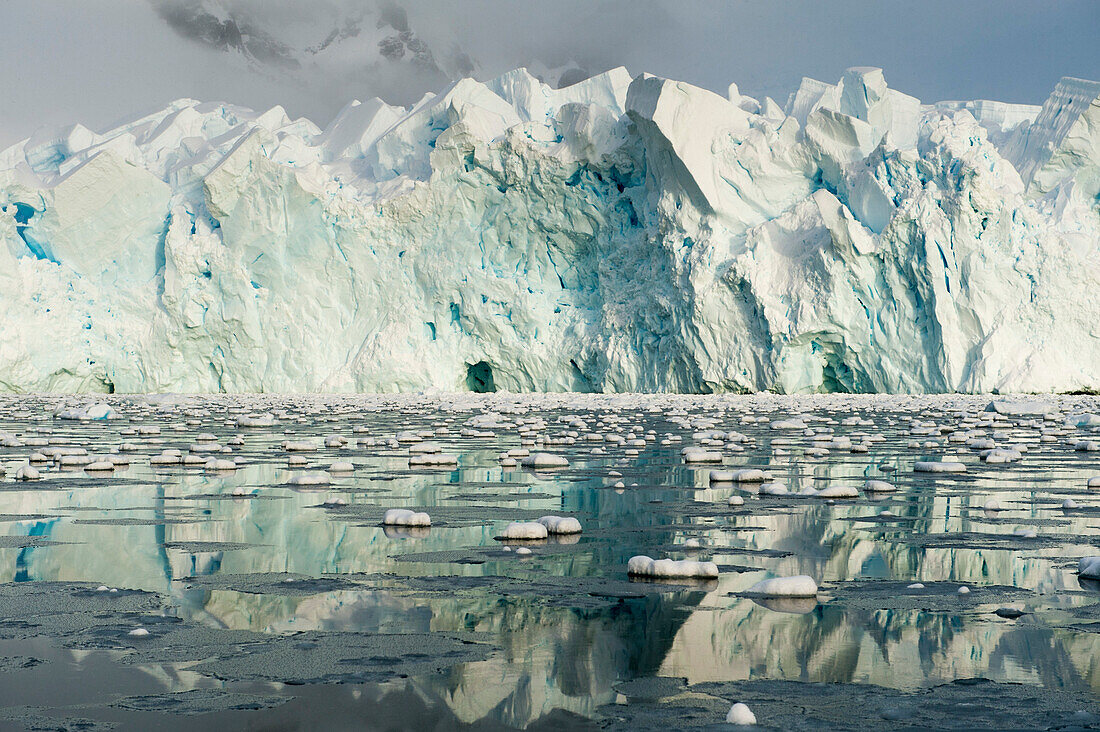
point(98, 62)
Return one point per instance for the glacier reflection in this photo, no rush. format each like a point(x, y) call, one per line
point(185, 535)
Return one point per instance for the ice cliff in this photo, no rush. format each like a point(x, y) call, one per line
point(618, 234)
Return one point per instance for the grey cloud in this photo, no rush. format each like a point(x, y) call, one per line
point(71, 60)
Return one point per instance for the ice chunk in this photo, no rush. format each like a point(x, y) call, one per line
point(542, 460)
point(561, 524)
point(739, 714)
point(643, 566)
point(797, 586)
point(406, 517)
point(938, 466)
point(521, 530)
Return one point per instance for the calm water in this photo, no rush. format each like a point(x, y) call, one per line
point(271, 605)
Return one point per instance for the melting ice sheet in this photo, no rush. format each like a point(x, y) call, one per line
point(620, 234)
point(194, 583)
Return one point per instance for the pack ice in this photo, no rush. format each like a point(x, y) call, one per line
point(618, 234)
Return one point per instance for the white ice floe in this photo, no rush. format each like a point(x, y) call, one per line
point(433, 459)
point(643, 566)
point(797, 586)
point(938, 466)
point(838, 491)
point(700, 455)
point(561, 524)
point(27, 472)
point(542, 460)
point(525, 530)
point(739, 714)
point(406, 517)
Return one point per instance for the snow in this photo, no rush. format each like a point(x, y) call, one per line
point(741, 715)
point(798, 586)
point(701, 455)
point(525, 530)
point(838, 491)
point(98, 411)
point(27, 472)
point(746, 475)
point(643, 566)
point(615, 235)
point(561, 524)
point(405, 517)
point(544, 460)
point(1021, 407)
point(939, 466)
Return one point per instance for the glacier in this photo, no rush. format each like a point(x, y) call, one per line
point(620, 234)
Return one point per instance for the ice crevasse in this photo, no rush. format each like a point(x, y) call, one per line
point(620, 234)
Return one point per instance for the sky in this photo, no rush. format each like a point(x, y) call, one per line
point(99, 62)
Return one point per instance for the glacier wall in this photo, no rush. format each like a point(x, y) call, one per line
point(620, 234)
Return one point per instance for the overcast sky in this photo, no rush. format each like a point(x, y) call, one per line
point(101, 61)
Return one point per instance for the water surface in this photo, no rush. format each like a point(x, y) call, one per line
point(269, 604)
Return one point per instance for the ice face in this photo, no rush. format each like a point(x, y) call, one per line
point(618, 234)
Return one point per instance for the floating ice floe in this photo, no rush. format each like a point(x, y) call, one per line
point(28, 472)
point(97, 411)
point(700, 455)
point(740, 714)
point(406, 517)
point(746, 475)
point(797, 586)
point(256, 420)
point(432, 459)
point(939, 466)
point(524, 531)
point(643, 566)
point(838, 491)
point(542, 460)
point(561, 524)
